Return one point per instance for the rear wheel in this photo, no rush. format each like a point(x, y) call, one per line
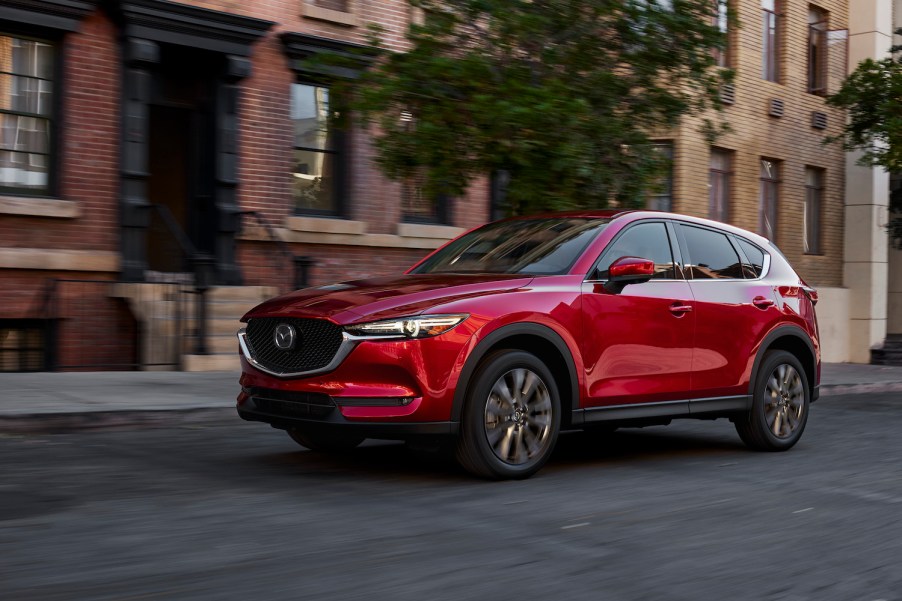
point(325, 441)
point(780, 405)
point(511, 417)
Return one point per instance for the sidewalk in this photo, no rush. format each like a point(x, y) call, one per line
point(87, 400)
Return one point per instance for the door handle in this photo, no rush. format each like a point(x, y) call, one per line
point(679, 309)
point(763, 302)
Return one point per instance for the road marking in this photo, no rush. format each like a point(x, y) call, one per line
point(804, 510)
point(580, 525)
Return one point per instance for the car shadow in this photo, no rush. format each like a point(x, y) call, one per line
point(574, 451)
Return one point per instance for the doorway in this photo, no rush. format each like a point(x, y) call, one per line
point(180, 160)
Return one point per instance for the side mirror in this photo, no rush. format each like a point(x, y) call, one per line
point(629, 270)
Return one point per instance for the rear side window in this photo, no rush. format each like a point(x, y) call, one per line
point(756, 259)
point(644, 240)
point(711, 256)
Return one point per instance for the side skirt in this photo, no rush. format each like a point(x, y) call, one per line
point(668, 409)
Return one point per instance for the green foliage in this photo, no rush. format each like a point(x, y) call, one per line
point(561, 94)
point(872, 95)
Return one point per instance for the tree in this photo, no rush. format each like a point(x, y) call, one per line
point(560, 94)
point(872, 95)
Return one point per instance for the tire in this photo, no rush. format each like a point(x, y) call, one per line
point(511, 417)
point(780, 404)
point(327, 442)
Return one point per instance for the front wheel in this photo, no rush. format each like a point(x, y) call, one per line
point(511, 418)
point(780, 405)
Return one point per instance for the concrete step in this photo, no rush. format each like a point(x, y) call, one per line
point(215, 344)
point(250, 294)
point(231, 309)
point(228, 362)
point(886, 356)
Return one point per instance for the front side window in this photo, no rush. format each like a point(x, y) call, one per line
point(646, 241)
point(771, 39)
point(527, 246)
point(26, 114)
point(814, 203)
point(661, 196)
point(711, 256)
point(719, 175)
point(817, 50)
point(318, 158)
point(770, 198)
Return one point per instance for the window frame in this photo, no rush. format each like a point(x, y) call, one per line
point(818, 191)
point(669, 177)
point(54, 39)
point(339, 151)
point(771, 52)
point(721, 20)
point(817, 72)
point(686, 252)
point(765, 183)
point(726, 177)
point(675, 253)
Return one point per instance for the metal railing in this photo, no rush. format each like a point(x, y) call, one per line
point(291, 271)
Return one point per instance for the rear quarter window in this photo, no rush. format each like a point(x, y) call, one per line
point(711, 256)
point(755, 255)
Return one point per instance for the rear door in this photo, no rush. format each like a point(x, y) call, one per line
point(637, 343)
point(734, 307)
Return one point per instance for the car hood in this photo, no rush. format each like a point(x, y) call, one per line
point(388, 297)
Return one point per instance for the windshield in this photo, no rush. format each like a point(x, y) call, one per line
point(528, 246)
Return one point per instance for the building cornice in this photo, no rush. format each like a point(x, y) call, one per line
point(52, 14)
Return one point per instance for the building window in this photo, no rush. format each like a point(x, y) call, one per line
point(814, 207)
point(720, 173)
point(771, 39)
point(26, 113)
point(23, 345)
point(418, 207)
point(770, 198)
point(817, 50)
point(339, 5)
point(660, 197)
point(318, 159)
point(721, 20)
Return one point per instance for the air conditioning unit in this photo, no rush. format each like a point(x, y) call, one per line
point(728, 93)
point(819, 120)
point(776, 108)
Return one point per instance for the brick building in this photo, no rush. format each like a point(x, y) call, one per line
point(124, 118)
point(129, 122)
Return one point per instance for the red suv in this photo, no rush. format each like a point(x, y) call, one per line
point(528, 326)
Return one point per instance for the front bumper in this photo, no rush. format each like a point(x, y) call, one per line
point(317, 411)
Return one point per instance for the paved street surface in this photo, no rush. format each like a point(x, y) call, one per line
point(233, 510)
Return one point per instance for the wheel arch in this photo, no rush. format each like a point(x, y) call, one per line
point(541, 341)
point(793, 340)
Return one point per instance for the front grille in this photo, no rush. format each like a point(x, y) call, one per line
point(317, 343)
point(291, 404)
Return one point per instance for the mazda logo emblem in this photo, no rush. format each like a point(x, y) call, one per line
point(285, 337)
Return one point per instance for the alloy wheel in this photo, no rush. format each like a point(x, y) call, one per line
point(784, 401)
point(518, 416)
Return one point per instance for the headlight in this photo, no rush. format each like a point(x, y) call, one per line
point(406, 327)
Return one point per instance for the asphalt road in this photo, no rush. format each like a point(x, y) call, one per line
point(234, 510)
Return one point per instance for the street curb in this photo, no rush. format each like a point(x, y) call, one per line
point(870, 388)
point(58, 423)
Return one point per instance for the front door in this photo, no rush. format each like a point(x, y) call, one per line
point(637, 344)
point(180, 158)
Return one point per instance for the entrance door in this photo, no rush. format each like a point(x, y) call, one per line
point(169, 163)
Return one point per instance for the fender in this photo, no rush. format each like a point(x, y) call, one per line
point(779, 332)
point(482, 348)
